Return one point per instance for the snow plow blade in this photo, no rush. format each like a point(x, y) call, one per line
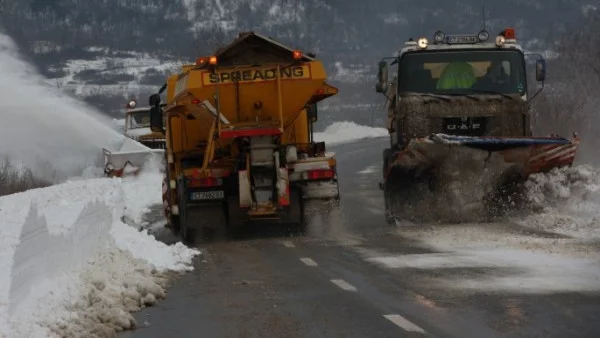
point(443, 169)
point(130, 159)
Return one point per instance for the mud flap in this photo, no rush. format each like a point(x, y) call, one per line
point(244, 189)
point(295, 210)
point(283, 187)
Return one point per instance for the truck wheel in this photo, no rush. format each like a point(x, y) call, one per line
point(386, 156)
point(172, 220)
point(389, 218)
point(188, 234)
point(236, 217)
point(296, 209)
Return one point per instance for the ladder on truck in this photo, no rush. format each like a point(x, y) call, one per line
point(263, 183)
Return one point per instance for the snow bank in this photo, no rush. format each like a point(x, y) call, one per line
point(566, 201)
point(69, 265)
point(346, 131)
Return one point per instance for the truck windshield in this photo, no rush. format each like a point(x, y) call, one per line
point(139, 119)
point(463, 72)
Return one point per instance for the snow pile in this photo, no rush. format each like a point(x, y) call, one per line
point(143, 192)
point(346, 131)
point(51, 133)
point(567, 201)
point(71, 267)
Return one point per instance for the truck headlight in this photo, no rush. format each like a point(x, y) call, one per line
point(483, 35)
point(500, 40)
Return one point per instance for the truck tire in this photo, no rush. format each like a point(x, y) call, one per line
point(188, 234)
point(389, 218)
point(172, 220)
point(386, 156)
point(296, 209)
point(236, 217)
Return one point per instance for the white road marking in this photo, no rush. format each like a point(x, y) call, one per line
point(288, 244)
point(404, 323)
point(343, 284)
point(308, 261)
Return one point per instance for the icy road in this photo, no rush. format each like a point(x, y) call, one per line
point(352, 275)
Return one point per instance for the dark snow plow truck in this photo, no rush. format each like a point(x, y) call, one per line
point(459, 126)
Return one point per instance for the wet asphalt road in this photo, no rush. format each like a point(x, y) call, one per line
point(273, 284)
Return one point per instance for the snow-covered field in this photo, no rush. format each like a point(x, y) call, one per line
point(114, 73)
point(553, 246)
point(71, 267)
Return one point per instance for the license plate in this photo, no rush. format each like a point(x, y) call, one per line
point(207, 195)
point(462, 39)
point(474, 126)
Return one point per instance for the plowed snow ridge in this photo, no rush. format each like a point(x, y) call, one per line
point(70, 267)
point(567, 201)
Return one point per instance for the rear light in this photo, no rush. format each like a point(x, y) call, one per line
point(320, 174)
point(200, 61)
point(297, 55)
point(204, 182)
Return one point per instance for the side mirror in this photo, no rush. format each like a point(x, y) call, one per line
point(154, 100)
point(540, 70)
point(382, 77)
point(311, 112)
point(156, 119)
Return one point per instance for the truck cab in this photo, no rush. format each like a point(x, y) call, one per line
point(137, 126)
point(458, 85)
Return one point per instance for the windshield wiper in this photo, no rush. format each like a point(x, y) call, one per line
point(487, 91)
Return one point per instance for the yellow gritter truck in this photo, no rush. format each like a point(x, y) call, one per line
point(239, 145)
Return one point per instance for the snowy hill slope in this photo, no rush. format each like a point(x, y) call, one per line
point(86, 53)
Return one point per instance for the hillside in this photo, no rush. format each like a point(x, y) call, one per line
point(108, 51)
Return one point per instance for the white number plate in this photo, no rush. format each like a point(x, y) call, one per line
point(207, 195)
